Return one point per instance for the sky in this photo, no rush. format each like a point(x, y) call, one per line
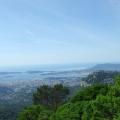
point(59, 31)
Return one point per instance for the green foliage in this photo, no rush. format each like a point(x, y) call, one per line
point(69, 111)
point(97, 102)
point(50, 96)
point(104, 107)
point(90, 93)
point(115, 89)
point(35, 112)
point(42, 96)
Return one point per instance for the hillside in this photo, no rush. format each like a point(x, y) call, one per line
point(106, 67)
point(96, 102)
point(100, 77)
point(19, 94)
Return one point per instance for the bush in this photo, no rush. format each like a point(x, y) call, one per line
point(35, 112)
point(103, 108)
point(70, 111)
point(90, 93)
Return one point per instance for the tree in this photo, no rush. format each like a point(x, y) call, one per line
point(42, 95)
point(50, 96)
point(59, 93)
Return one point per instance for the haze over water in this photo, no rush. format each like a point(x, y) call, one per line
point(53, 67)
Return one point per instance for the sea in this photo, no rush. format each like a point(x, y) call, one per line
point(63, 72)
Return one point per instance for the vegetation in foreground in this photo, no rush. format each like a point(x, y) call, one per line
point(97, 102)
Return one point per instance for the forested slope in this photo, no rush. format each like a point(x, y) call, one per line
point(97, 102)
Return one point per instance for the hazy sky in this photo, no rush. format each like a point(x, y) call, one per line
point(59, 31)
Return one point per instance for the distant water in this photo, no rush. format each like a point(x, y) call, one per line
point(48, 73)
point(62, 67)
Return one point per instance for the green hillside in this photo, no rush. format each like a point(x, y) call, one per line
point(97, 102)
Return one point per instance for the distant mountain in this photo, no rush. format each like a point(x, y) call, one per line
point(104, 77)
point(106, 67)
